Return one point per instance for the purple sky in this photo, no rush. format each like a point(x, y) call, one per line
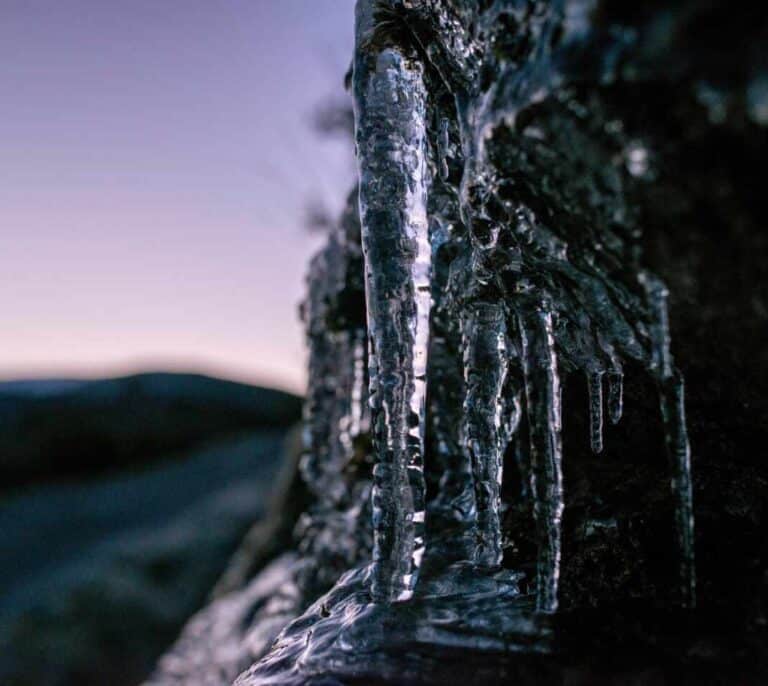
point(156, 157)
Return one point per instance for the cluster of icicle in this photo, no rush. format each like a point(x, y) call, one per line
point(473, 262)
point(491, 252)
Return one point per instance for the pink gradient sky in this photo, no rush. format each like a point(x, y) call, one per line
point(155, 161)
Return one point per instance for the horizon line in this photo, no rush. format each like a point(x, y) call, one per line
point(65, 372)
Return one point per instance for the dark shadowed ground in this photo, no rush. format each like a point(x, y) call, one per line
point(101, 564)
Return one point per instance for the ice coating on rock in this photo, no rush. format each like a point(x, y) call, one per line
point(343, 635)
point(498, 118)
point(231, 633)
point(334, 535)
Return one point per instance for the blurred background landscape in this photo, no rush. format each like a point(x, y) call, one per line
point(122, 501)
point(162, 163)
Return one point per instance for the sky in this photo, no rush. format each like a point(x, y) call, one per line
point(156, 160)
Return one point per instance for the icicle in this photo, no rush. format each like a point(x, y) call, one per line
point(485, 369)
point(512, 412)
point(657, 293)
point(456, 496)
point(672, 399)
point(542, 389)
point(320, 410)
point(359, 392)
point(391, 137)
point(615, 396)
point(595, 385)
point(443, 144)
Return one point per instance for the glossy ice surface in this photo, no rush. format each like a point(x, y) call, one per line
point(497, 252)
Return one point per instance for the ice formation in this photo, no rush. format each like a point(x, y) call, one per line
point(462, 115)
point(494, 253)
point(391, 138)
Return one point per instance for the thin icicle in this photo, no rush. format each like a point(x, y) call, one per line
point(542, 389)
point(595, 385)
point(455, 497)
point(485, 368)
point(615, 396)
point(443, 143)
point(672, 400)
point(657, 294)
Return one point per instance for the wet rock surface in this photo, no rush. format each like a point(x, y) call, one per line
point(587, 163)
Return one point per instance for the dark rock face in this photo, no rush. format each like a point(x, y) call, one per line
point(579, 156)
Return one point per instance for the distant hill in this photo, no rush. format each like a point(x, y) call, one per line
point(52, 430)
point(40, 387)
point(98, 576)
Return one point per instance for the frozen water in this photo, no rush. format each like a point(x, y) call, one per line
point(497, 254)
point(391, 140)
point(485, 368)
point(531, 292)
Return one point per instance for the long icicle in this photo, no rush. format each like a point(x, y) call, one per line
point(542, 389)
point(391, 138)
point(672, 402)
point(484, 437)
